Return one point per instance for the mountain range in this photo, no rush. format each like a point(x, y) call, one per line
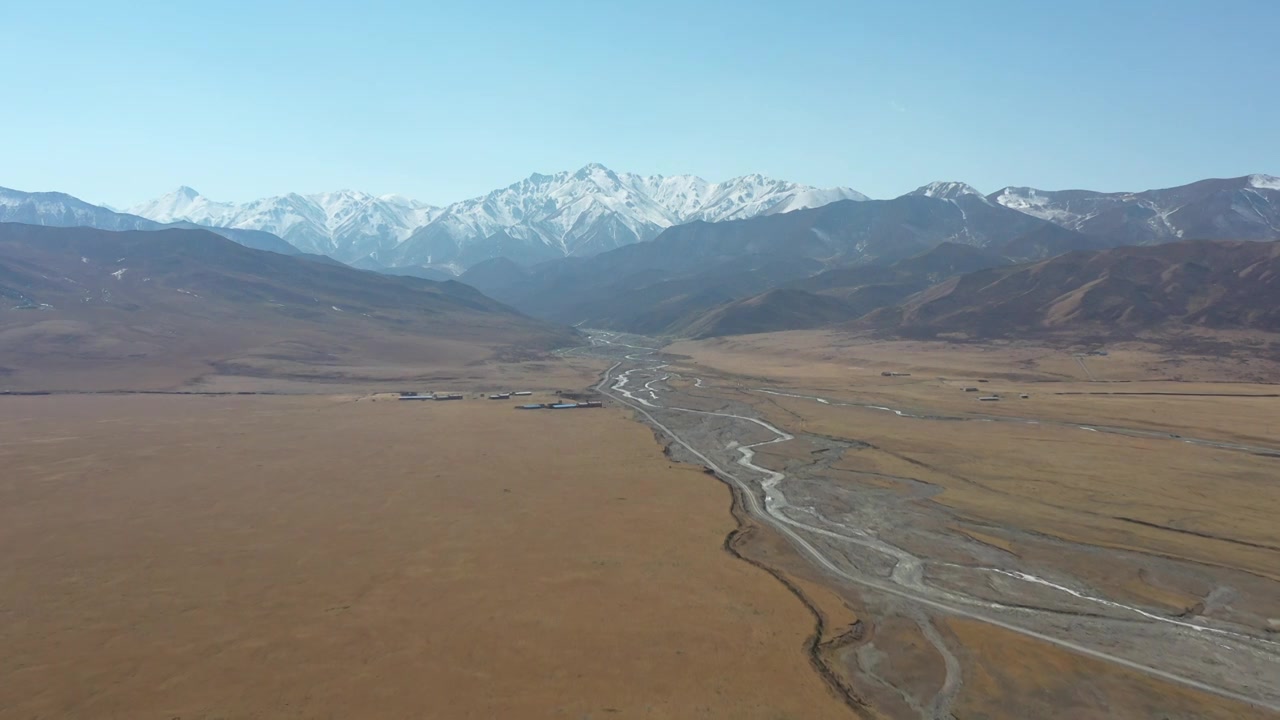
point(837, 295)
point(1200, 283)
point(61, 210)
point(539, 218)
point(88, 308)
point(346, 225)
point(86, 286)
point(960, 292)
point(1243, 208)
point(656, 287)
point(594, 209)
point(840, 261)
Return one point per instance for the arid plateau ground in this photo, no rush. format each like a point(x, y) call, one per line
point(817, 540)
point(201, 557)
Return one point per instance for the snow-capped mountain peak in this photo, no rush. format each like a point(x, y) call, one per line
point(348, 224)
point(945, 190)
point(182, 204)
point(579, 212)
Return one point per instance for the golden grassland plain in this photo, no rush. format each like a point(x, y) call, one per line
point(322, 556)
point(444, 366)
point(1230, 399)
point(1052, 477)
point(1073, 483)
point(548, 373)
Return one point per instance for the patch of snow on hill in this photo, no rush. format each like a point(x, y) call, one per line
point(1029, 201)
point(1265, 182)
point(947, 190)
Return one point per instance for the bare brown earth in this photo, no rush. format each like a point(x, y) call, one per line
point(339, 556)
point(180, 310)
point(236, 557)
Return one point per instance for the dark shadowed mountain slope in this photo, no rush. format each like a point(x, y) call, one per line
point(1213, 284)
point(653, 307)
point(255, 239)
point(848, 232)
point(836, 295)
point(927, 268)
point(645, 299)
point(499, 272)
point(425, 273)
point(777, 309)
point(192, 302)
point(693, 267)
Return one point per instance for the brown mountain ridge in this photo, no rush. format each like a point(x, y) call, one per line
point(87, 308)
point(1220, 285)
point(835, 295)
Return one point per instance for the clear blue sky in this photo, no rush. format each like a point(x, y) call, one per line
point(119, 102)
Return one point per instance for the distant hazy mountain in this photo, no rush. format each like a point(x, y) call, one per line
point(540, 218)
point(1243, 208)
point(1215, 284)
point(61, 210)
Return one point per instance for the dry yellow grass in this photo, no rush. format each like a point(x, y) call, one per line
point(1024, 488)
point(321, 557)
point(1071, 482)
point(821, 355)
point(1008, 673)
point(1063, 480)
point(830, 365)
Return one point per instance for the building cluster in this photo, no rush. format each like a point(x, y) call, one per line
point(993, 397)
point(506, 395)
point(411, 395)
point(561, 405)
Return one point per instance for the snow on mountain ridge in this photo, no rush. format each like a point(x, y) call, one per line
point(947, 190)
point(578, 212)
point(1033, 202)
point(348, 224)
point(1265, 182)
point(595, 209)
point(57, 209)
point(62, 210)
point(1241, 208)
